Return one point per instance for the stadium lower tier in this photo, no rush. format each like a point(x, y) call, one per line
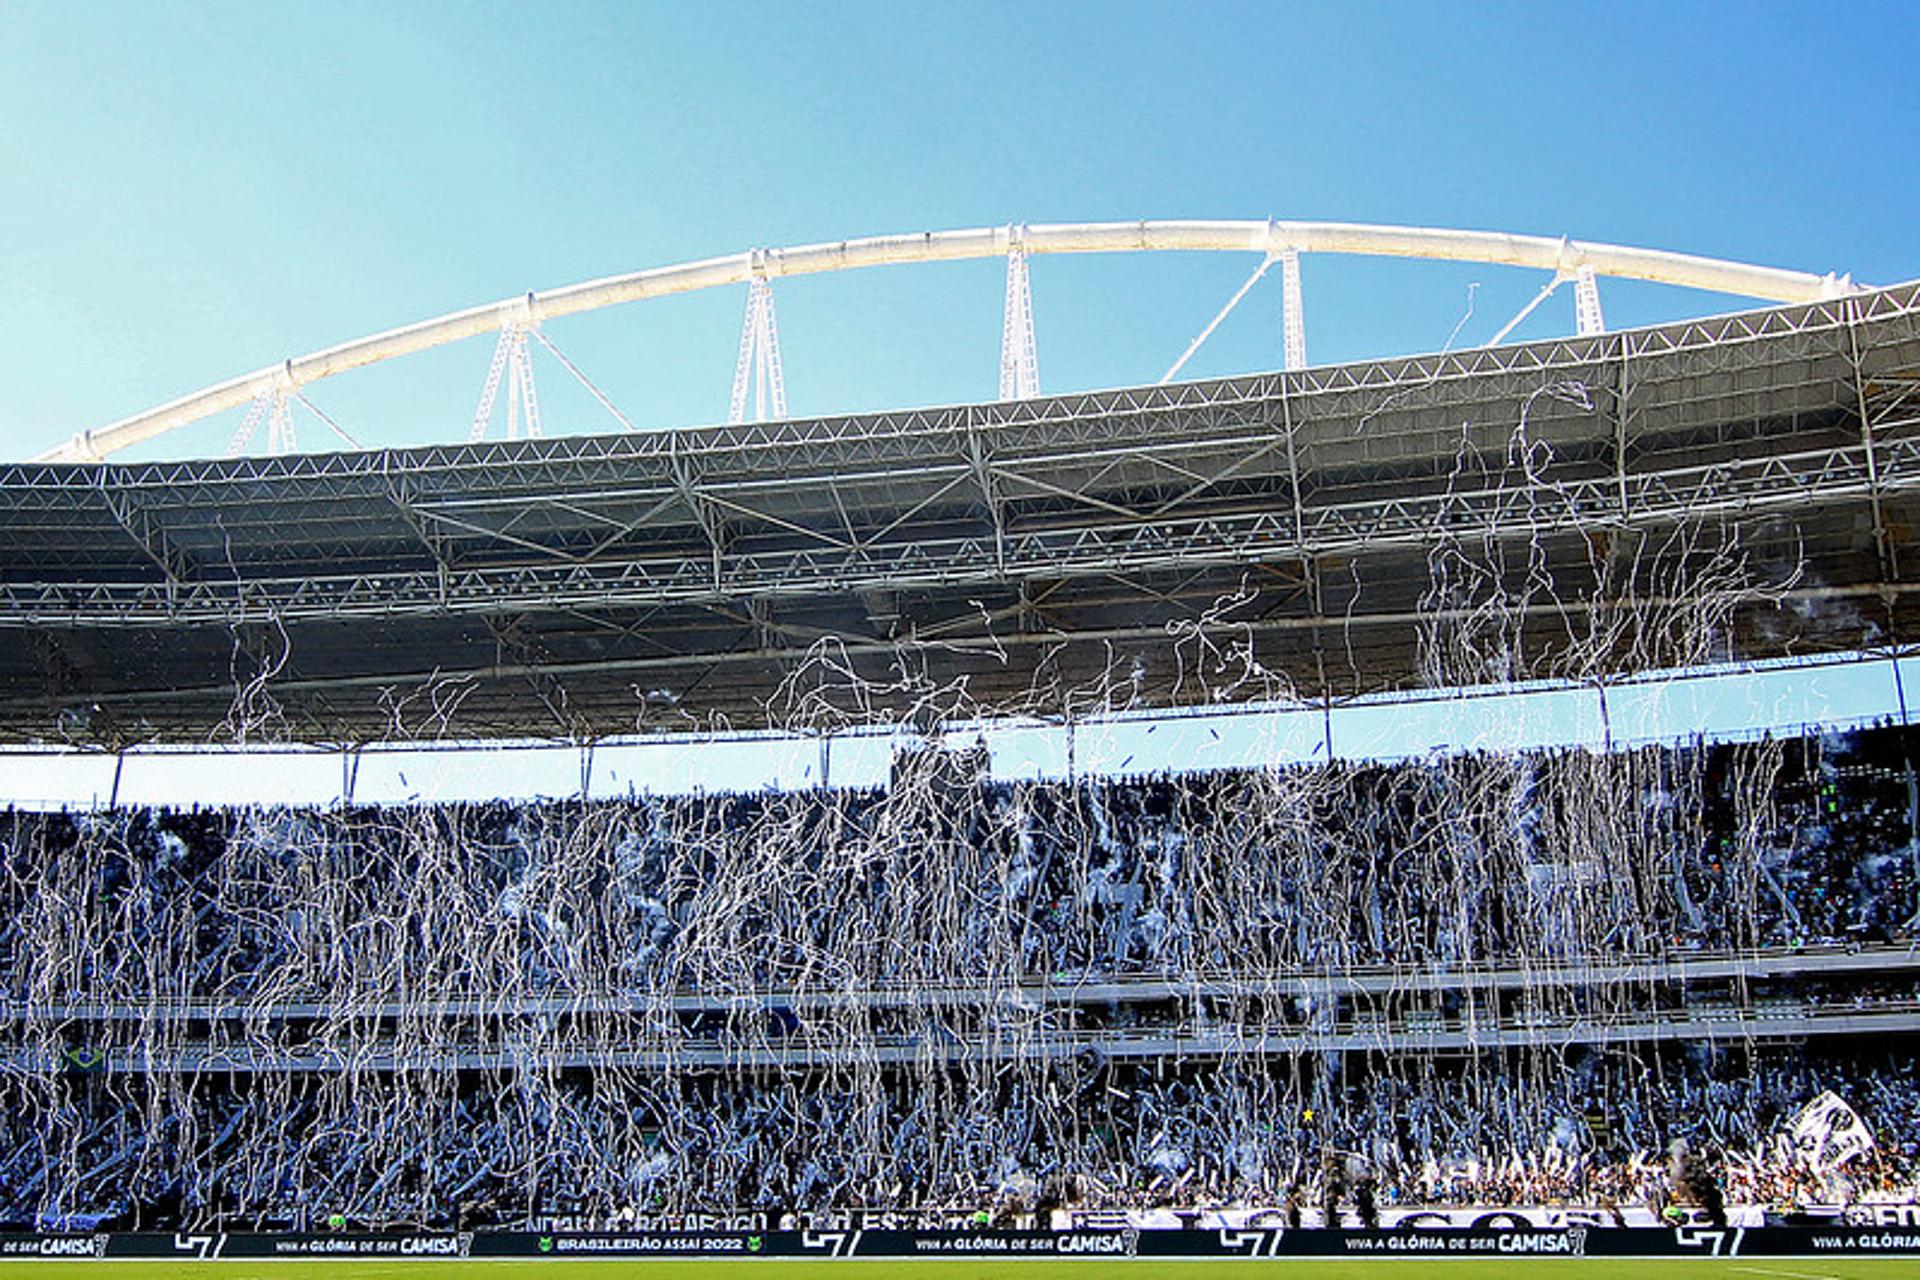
point(1474, 979)
point(1312, 1139)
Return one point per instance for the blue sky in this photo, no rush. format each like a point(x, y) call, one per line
point(189, 192)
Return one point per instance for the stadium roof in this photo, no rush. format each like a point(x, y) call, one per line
point(1054, 553)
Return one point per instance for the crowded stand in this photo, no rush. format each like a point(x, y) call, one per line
point(563, 1148)
point(955, 995)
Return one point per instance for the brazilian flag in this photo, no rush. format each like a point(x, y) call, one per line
point(84, 1060)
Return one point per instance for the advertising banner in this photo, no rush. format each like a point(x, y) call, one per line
point(1251, 1242)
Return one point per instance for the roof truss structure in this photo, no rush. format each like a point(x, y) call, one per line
point(1024, 546)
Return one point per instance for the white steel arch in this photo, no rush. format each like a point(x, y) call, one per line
point(1567, 258)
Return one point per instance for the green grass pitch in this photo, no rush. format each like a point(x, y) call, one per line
point(989, 1269)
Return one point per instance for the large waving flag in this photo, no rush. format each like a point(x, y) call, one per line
point(1827, 1133)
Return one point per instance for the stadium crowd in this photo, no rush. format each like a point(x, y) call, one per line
point(1472, 860)
point(281, 1152)
point(327, 945)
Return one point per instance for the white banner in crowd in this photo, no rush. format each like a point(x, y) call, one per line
point(1828, 1133)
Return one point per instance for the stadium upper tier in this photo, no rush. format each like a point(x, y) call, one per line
point(1046, 550)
